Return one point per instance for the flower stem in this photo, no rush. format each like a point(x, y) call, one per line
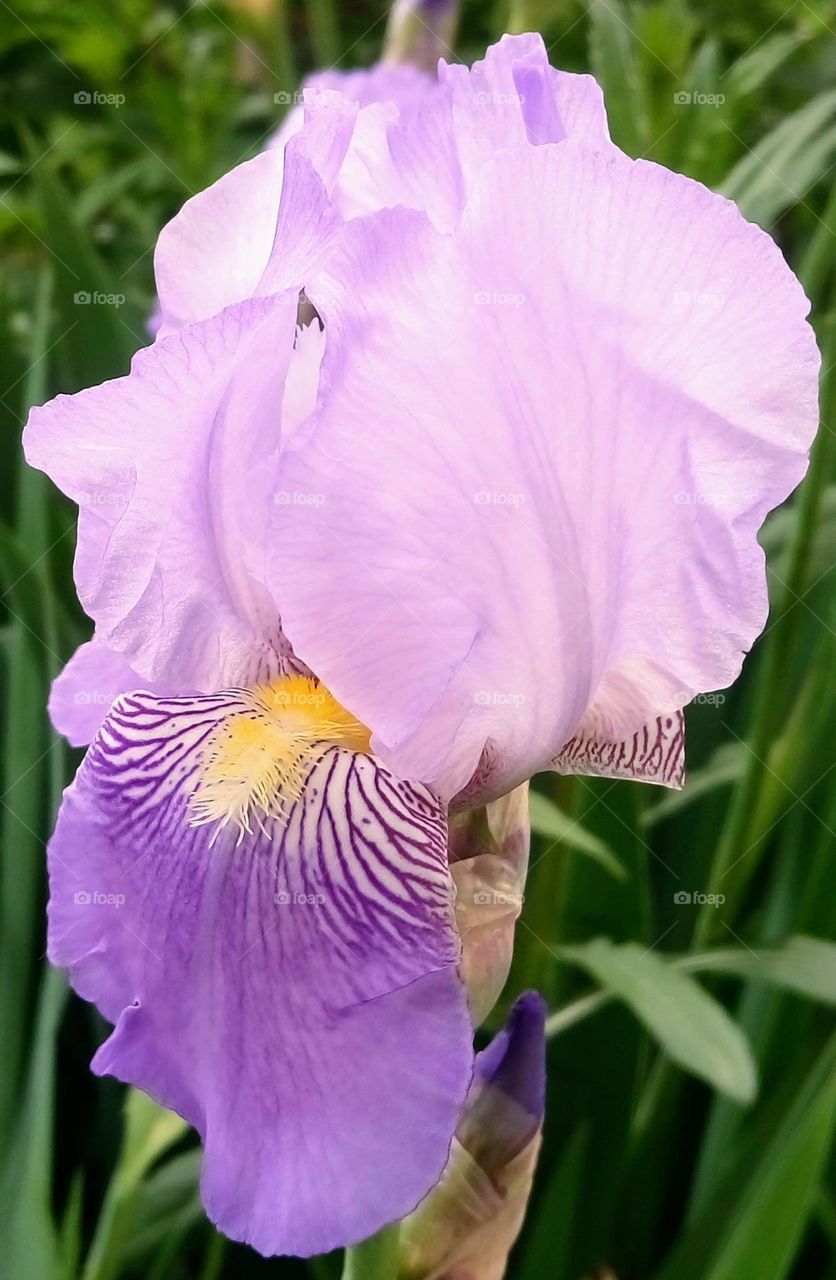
point(374, 1259)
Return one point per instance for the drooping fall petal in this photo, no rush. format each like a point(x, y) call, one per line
point(292, 990)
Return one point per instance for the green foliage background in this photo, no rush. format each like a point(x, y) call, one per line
point(692, 1095)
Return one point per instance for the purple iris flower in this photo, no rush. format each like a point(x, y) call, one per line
point(493, 511)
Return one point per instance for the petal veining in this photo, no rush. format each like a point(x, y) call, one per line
point(295, 994)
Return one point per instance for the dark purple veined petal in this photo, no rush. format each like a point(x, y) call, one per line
point(294, 994)
point(655, 753)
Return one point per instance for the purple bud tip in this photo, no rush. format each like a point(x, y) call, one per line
point(515, 1060)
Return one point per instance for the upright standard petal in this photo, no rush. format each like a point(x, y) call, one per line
point(577, 411)
point(428, 155)
point(371, 136)
point(84, 692)
point(168, 468)
point(288, 985)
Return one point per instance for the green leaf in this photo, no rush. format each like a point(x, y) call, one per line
point(323, 24)
point(802, 964)
point(149, 1131)
point(724, 768)
point(101, 328)
point(70, 1235)
point(28, 754)
point(545, 1250)
point(756, 1223)
point(781, 169)
point(374, 1259)
point(550, 821)
point(612, 56)
point(692, 1028)
point(28, 1243)
point(757, 64)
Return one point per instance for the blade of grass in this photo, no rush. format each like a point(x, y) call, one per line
point(324, 30)
point(149, 1131)
point(30, 1246)
point(24, 746)
point(755, 1226)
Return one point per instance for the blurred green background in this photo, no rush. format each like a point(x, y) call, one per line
point(692, 1094)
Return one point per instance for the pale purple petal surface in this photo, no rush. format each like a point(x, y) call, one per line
point(545, 464)
point(373, 137)
point(167, 466)
point(82, 694)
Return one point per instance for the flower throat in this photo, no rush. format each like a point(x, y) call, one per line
point(258, 759)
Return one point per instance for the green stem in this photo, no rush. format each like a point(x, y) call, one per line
point(324, 31)
point(374, 1259)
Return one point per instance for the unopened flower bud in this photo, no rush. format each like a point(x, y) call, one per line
point(465, 1228)
point(488, 862)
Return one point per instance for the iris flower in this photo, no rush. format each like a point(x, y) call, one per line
point(492, 510)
